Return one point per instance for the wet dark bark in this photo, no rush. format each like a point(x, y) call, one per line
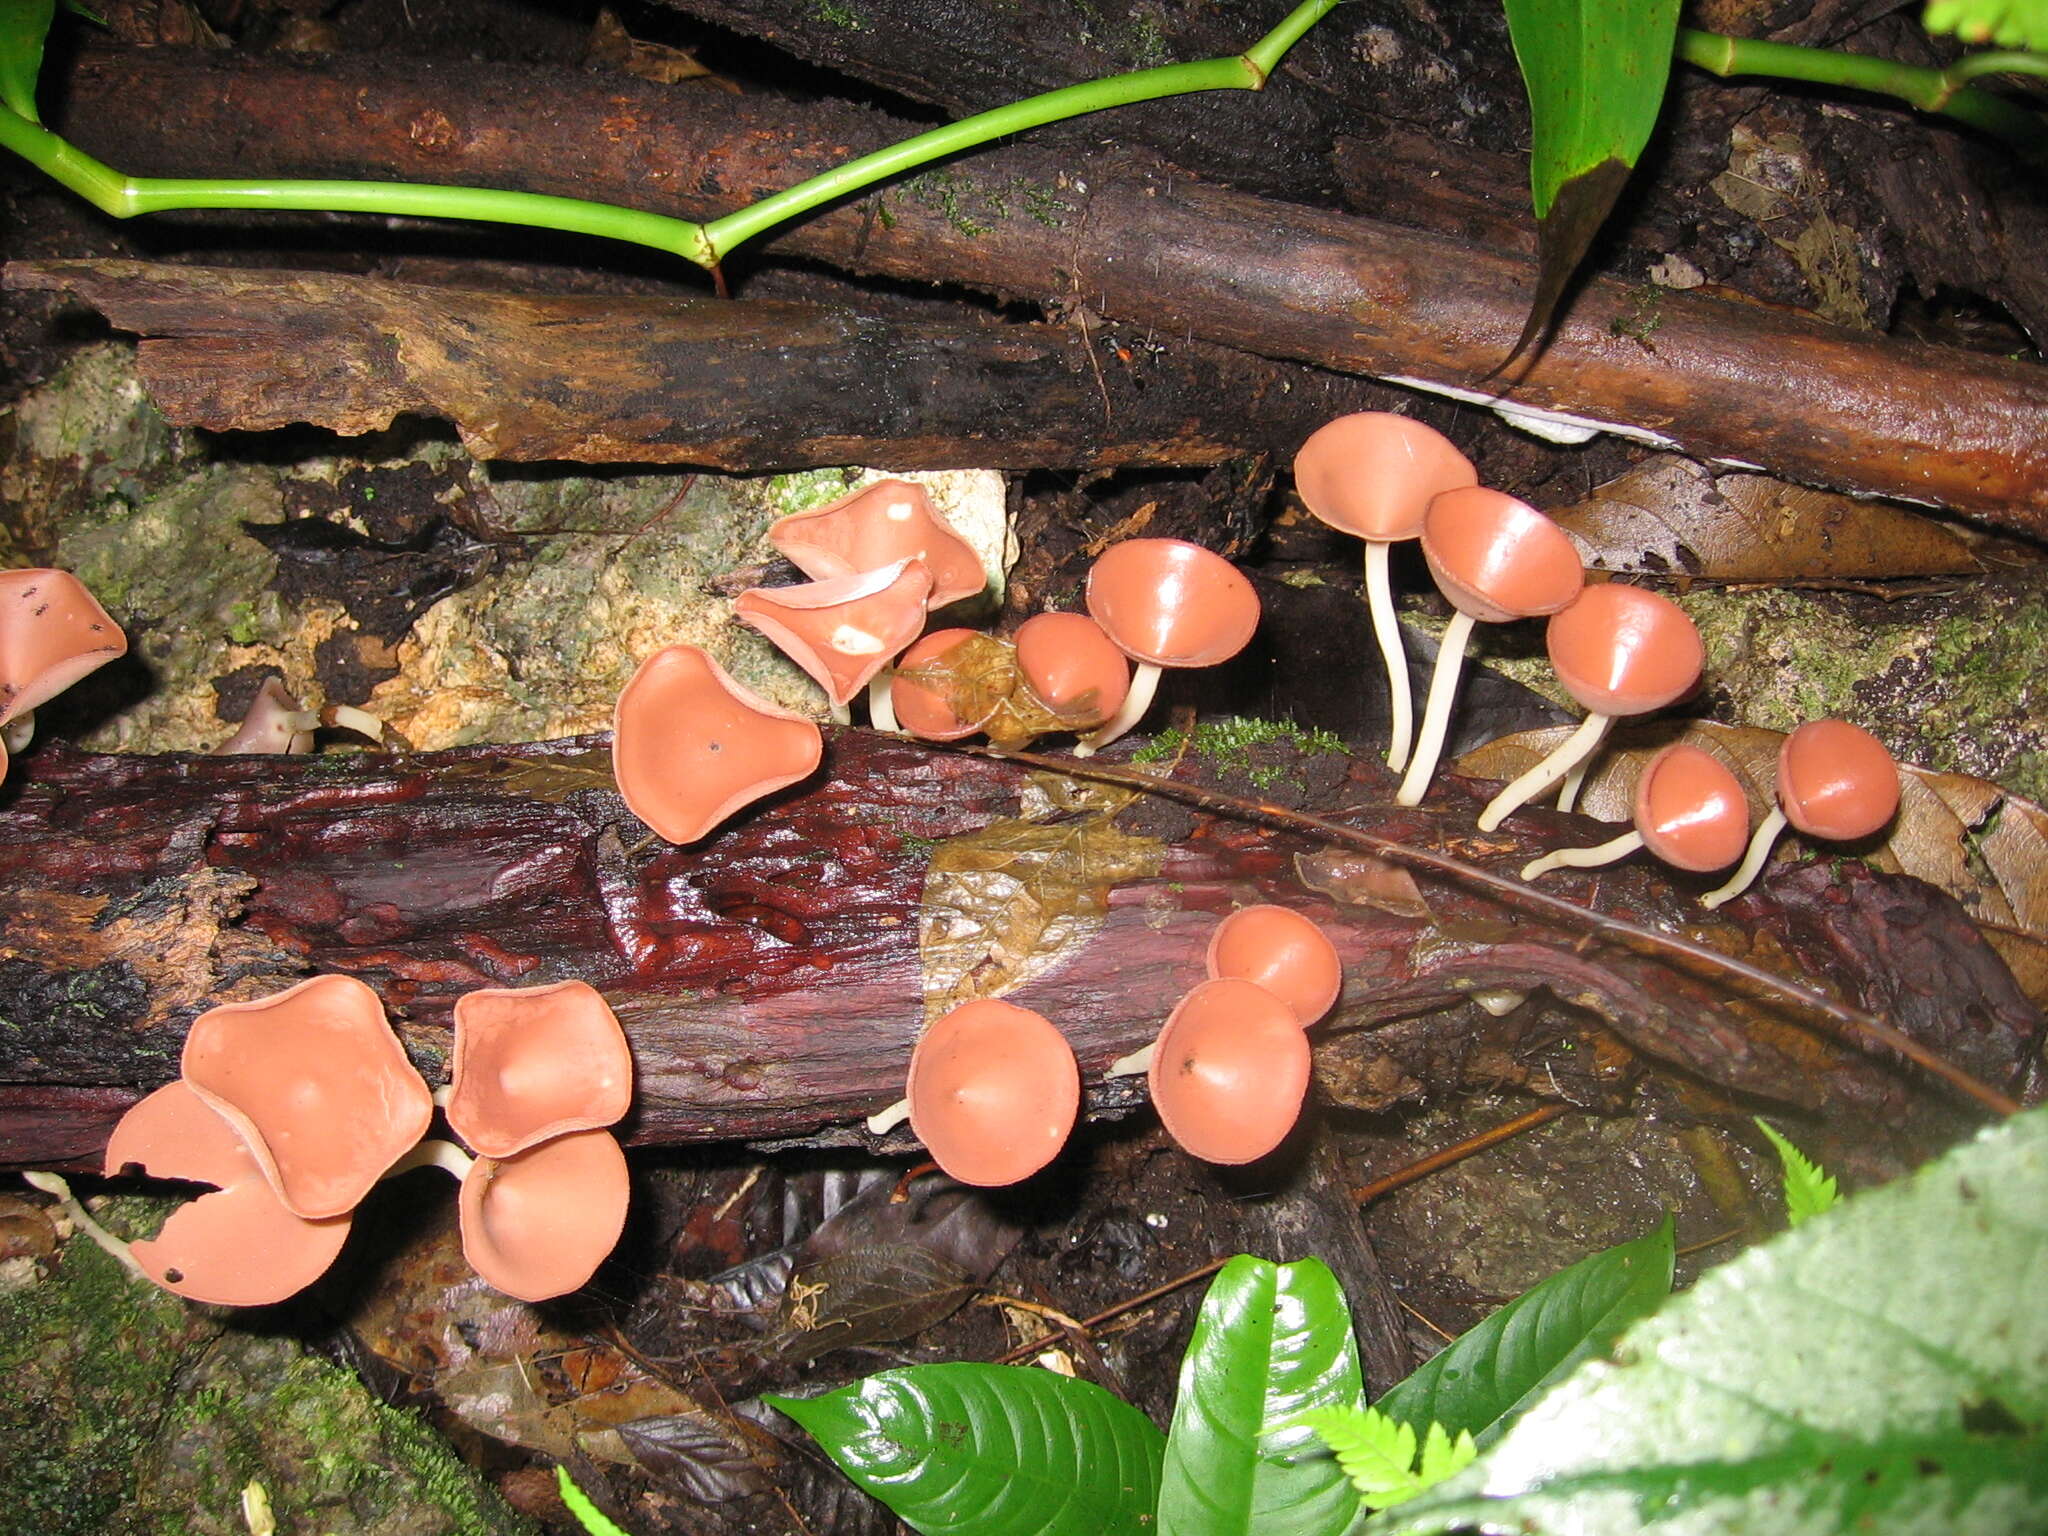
point(773, 979)
point(1135, 242)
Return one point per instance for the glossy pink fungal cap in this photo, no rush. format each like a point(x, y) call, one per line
point(1373, 474)
point(1624, 650)
point(1172, 603)
point(845, 629)
point(994, 1091)
point(52, 632)
point(879, 525)
point(1836, 780)
point(317, 1086)
point(532, 1063)
point(1497, 558)
point(538, 1224)
point(1690, 809)
point(926, 711)
point(1072, 667)
point(690, 746)
point(1229, 1072)
point(1279, 949)
point(237, 1247)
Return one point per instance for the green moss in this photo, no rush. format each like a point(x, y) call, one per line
point(804, 489)
point(1228, 744)
point(945, 193)
point(835, 14)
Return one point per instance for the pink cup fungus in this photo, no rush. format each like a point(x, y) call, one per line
point(876, 526)
point(1836, 781)
point(993, 1092)
point(845, 629)
point(534, 1063)
point(1689, 811)
point(52, 633)
point(1073, 669)
point(1279, 949)
point(1229, 1072)
point(538, 1223)
point(930, 706)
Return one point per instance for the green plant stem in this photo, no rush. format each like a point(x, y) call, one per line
point(1930, 90)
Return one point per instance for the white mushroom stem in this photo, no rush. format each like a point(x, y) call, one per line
point(81, 1218)
point(347, 717)
point(1760, 846)
point(18, 732)
point(887, 1121)
point(1133, 1064)
point(1144, 684)
point(1566, 755)
point(842, 714)
point(1386, 628)
point(1584, 858)
point(1436, 710)
point(435, 1154)
point(1498, 1001)
point(1568, 792)
point(882, 701)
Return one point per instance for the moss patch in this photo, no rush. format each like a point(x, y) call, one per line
point(1243, 747)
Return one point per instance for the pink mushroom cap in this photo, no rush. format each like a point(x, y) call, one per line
point(925, 711)
point(690, 746)
point(1836, 781)
point(845, 629)
point(236, 1247)
point(52, 633)
point(1690, 809)
point(1499, 559)
point(538, 1224)
point(1623, 650)
point(1373, 474)
point(1072, 667)
point(1229, 1071)
point(876, 526)
point(1279, 949)
point(1171, 603)
point(532, 1063)
point(994, 1092)
point(317, 1086)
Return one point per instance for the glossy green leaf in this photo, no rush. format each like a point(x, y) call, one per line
point(1884, 1370)
point(1272, 1342)
point(1493, 1370)
point(24, 25)
point(991, 1450)
point(1808, 1191)
point(2003, 23)
point(1595, 72)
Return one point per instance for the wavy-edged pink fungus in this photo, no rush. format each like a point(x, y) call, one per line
point(1229, 1071)
point(1618, 651)
point(1689, 811)
point(845, 629)
point(994, 1091)
point(1166, 603)
point(1497, 559)
point(238, 1246)
point(316, 1084)
point(1374, 474)
point(534, 1063)
point(537, 1224)
point(274, 724)
point(52, 633)
point(1072, 668)
point(876, 526)
point(1279, 949)
point(690, 746)
point(933, 711)
point(1836, 782)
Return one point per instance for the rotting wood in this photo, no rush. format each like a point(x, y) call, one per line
point(741, 386)
point(1123, 235)
point(773, 979)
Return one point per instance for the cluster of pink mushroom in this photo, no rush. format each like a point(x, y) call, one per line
point(294, 1106)
point(52, 633)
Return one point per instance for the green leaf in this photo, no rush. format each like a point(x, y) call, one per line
point(1495, 1369)
point(1808, 1191)
point(1885, 1370)
point(1378, 1453)
point(1595, 72)
point(579, 1504)
point(2003, 23)
point(991, 1450)
point(1273, 1343)
point(24, 24)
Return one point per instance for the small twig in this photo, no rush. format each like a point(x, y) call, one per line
point(1143, 1298)
point(1421, 1317)
point(1365, 1194)
point(1709, 1242)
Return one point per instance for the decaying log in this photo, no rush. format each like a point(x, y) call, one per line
point(1125, 236)
point(741, 386)
point(773, 979)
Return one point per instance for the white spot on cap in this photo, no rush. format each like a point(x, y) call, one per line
point(850, 640)
point(900, 512)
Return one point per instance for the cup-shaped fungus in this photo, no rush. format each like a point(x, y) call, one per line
point(537, 1224)
point(994, 1091)
point(52, 633)
point(1166, 603)
point(238, 1246)
point(690, 746)
point(1497, 559)
point(1374, 474)
point(951, 682)
point(1689, 811)
point(1836, 782)
point(845, 629)
point(876, 526)
point(274, 724)
point(1072, 668)
point(534, 1063)
point(1618, 651)
point(1279, 949)
point(316, 1084)
point(1229, 1071)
